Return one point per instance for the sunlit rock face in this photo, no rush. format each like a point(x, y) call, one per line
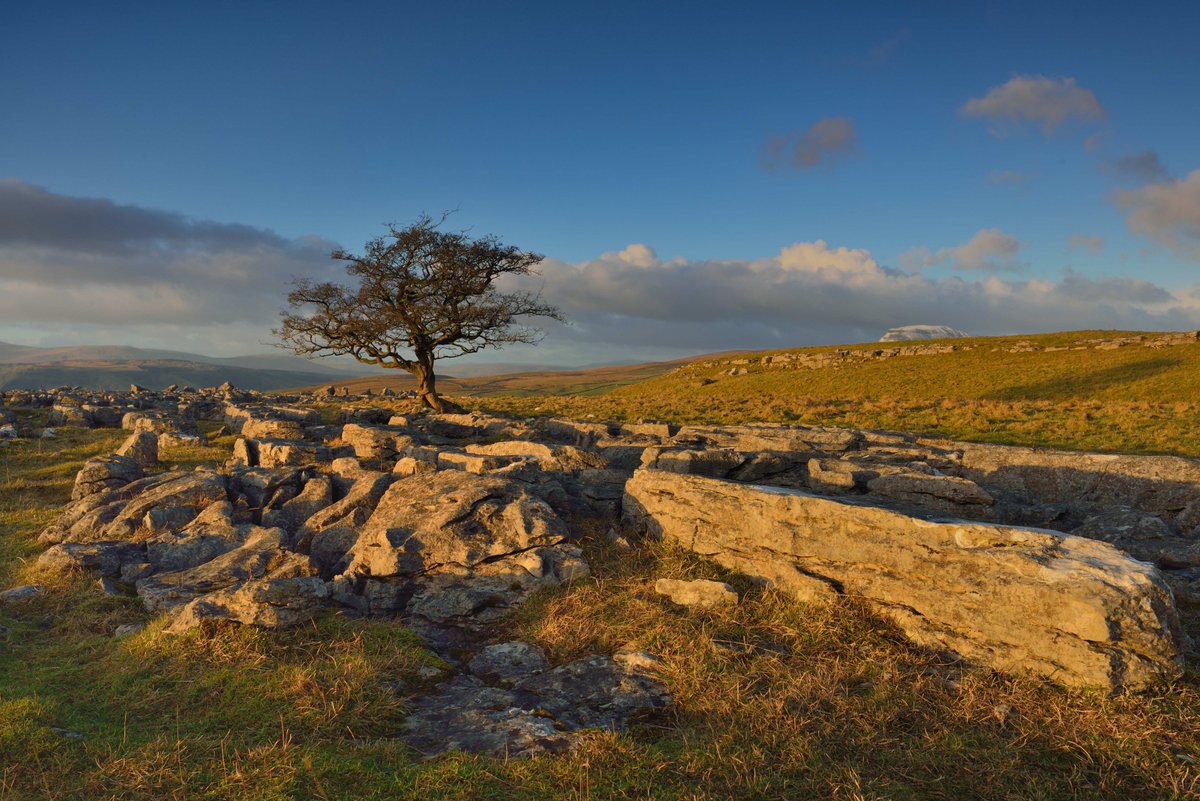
point(904, 333)
point(1072, 609)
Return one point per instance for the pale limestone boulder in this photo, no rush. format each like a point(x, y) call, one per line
point(700, 593)
point(408, 466)
point(141, 447)
point(272, 429)
point(105, 473)
point(262, 555)
point(266, 603)
point(1074, 610)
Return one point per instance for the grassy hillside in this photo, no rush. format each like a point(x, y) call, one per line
point(1063, 390)
point(584, 382)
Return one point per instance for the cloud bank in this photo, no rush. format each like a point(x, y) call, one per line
point(79, 270)
point(632, 304)
point(1037, 99)
point(90, 261)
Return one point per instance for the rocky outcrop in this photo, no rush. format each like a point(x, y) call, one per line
point(1071, 609)
point(1165, 486)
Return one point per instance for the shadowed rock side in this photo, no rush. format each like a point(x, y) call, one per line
point(1073, 610)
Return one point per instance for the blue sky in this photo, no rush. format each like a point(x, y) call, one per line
point(577, 130)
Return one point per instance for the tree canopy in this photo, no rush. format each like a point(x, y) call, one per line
point(422, 294)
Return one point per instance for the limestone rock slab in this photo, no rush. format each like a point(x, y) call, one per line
point(1074, 610)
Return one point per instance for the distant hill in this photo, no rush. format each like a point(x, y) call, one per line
point(26, 354)
point(580, 381)
point(904, 333)
point(150, 373)
point(118, 366)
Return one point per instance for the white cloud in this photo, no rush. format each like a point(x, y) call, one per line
point(1035, 98)
point(989, 249)
point(827, 141)
point(1168, 213)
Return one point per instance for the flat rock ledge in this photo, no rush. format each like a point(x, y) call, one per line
point(1073, 610)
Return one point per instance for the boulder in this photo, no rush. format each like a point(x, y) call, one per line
point(289, 453)
point(104, 473)
point(141, 447)
point(698, 592)
point(105, 558)
point(255, 428)
point(1067, 608)
point(170, 503)
point(711, 462)
point(267, 603)
point(377, 444)
point(16, 595)
point(261, 556)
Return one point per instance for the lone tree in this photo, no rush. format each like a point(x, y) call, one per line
point(423, 294)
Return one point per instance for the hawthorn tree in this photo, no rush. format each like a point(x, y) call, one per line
point(422, 294)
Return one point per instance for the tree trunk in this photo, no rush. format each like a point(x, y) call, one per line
point(427, 386)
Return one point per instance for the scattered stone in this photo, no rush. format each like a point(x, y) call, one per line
point(545, 713)
point(142, 448)
point(16, 595)
point(700, 593)
point(128, 629)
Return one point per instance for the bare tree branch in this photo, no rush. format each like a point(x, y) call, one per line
point(422, 294)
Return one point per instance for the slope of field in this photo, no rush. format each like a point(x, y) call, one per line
point(153, 374)
point(1081, 389)
point(583, 382)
